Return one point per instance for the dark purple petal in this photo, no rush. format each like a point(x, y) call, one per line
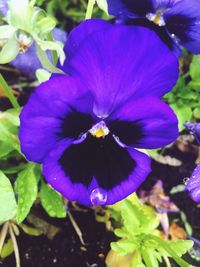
point(87, 192)
point(183, 21)
point(193, 185)
point(28, 62)
point(194, 129)
point(122, 63)
point(129, 8)
point(146, 123)
point(44, 115)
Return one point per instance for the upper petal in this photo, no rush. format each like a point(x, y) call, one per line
point(79, 33)
point(183, 20)
point(43, 117)
point(147, 123)
point(123, 62)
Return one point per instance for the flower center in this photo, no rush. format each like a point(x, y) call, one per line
point(99, 130)
point(156, 18)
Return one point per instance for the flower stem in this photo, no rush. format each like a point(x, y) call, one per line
point(53, 53)
point(8, 92)
point(3, 234)
point(15, 246)
point(90, 7)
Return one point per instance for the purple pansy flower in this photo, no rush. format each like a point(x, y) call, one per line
point(193, 184)
point(84, 127)
point(180, 18)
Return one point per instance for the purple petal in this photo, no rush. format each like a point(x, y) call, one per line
point(122, 63)
point(129, 8)
point(194, 129)
point(41, 117)
point(28, 62)
point(193, 185)
point(183, 20)
point(79, 33)
point(93, 193)
point(153, 120)
point(4, 7)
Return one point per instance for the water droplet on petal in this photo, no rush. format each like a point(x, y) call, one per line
point(186, 180)
point(98, 197)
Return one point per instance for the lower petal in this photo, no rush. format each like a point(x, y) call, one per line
point(88, 179)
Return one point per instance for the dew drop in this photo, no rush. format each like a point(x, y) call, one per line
point(98, 197)
point(186, 180)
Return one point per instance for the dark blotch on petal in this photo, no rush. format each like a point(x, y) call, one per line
point(180, 26)
point(101, 158)
point(75, 124)
point(128, 132)
point(160, 31)
point(139, 7)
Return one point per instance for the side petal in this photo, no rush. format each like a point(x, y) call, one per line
point(193, 185)
point(43, 116)
point(82, 193)
point(183, 20)
point(148, 123)
point(129, 8)
point(123, 62)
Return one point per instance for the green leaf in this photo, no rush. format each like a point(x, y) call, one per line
point(103, 5)
point(42, 75)
point(196, 113)
point(124, 247)
point(137, 260)
point(5, 150)
point(26, 188)
point(180, 246)
point(9, 50)
point(30, 230)
point(46, 24)
point(149, 256)
point(195, 68)
point(8, 205)
point(52, 202)
point(7, 249)
point(184, 114)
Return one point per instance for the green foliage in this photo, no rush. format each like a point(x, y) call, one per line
point(52, 202)
point(26, 188)
point(9, 122)
point(8, 205)
point(184, 98)
point(139, 237)
point(27, 24)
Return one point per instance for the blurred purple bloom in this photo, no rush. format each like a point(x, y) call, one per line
point(3, 7)
point(179, 18)
point(156, 198)
point(84, 127)
point(28, 62)
point(193, 184)
point(194, 129)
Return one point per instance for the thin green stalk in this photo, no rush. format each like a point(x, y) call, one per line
point(8, 92)
point(53, 53)
point(90, 7)
point(15, 246)
point(3, 235)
